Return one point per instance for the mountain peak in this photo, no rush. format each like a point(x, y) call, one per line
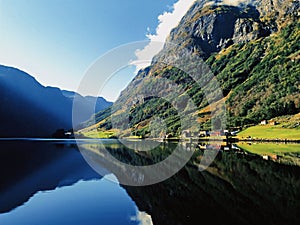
point(211, 26)
point(251, 47)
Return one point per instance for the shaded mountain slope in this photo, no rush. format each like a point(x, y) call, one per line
point(29, 109)
point(100, 102)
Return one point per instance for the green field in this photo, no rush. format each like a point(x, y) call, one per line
point(270, 132)
point(270, 148)
point(99, 134)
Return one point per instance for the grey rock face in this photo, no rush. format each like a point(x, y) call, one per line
point(246, 30)
point(209, 28)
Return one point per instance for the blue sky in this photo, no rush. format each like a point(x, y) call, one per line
point(56, 41)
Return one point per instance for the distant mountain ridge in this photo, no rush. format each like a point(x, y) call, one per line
point(29, 109)
point(252, 50)
point(100, 102)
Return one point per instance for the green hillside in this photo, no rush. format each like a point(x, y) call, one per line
point(256, 63)
point(268, 72)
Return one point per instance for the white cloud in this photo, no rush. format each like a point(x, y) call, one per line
point(143, 218)
point(167, 21)
point(237, 2)
point(231, 2)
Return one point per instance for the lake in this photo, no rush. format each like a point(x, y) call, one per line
point(50, 182)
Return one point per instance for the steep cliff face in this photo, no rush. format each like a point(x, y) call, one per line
point(252, 50)
point(215, 27)
point(212, 26)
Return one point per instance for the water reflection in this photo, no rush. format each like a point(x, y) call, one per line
point(134, 167)
point(237, 188)
point(28, 167)
point(50, 183)
point(86, 202)
point(284, 153)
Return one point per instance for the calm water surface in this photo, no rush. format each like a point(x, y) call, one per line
point(50, 183)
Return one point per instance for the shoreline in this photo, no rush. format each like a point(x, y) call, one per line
point(192, 140)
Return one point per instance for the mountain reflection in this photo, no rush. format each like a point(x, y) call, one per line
point(235, 189)
point(28, 167)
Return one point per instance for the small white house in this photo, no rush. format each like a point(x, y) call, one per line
point(263, 122)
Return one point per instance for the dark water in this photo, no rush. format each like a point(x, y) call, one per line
point(50, 183)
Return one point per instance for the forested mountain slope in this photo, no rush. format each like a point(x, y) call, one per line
point(253, 50)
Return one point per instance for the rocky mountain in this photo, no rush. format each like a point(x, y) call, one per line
point(210, 26)
point(252, 49)
point(29, 109)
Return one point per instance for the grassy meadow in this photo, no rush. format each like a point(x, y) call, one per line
point(270, 132)
point(99, 134)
